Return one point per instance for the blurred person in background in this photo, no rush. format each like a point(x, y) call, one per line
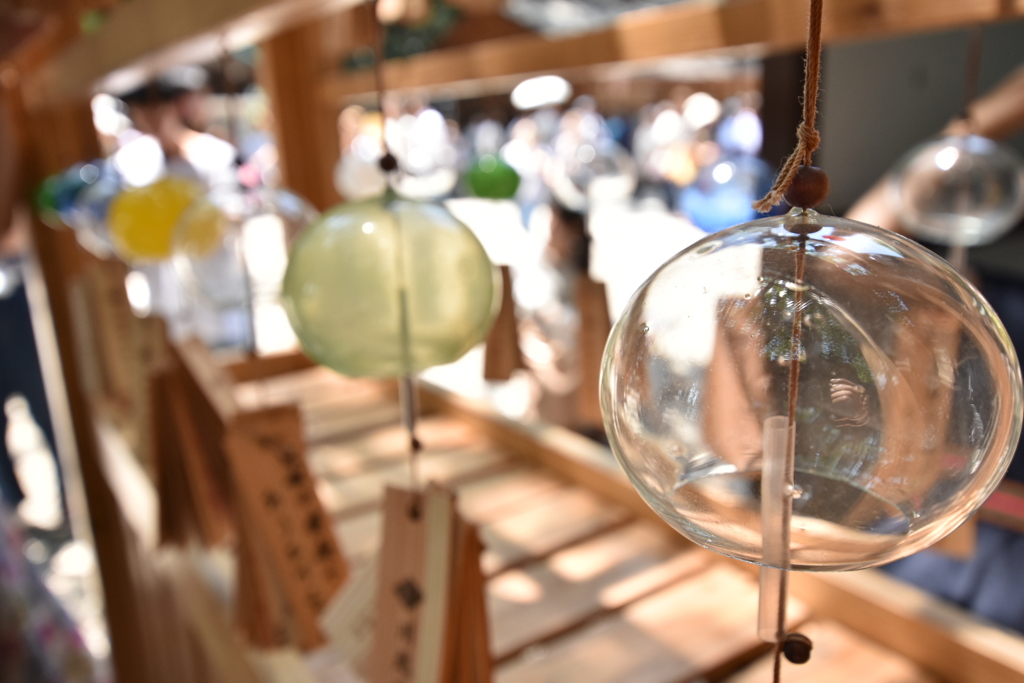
point(549, 330)
point(525, 152)
point(168, 136)
point(162, 141)
point(38, 641)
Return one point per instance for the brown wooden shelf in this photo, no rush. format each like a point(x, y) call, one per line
point(142, 37)
point(757, 26)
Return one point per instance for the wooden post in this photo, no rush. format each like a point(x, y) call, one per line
point(305, 129)
point(57, 137)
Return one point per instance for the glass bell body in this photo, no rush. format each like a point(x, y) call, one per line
point(906, 407)
point(959, 190)
point(233, 236)
point(723, 192)
point(142, 220)
point(231, 256)
point(427, 157)
point(492, 178)
point(389, 287)
point(207, 255)
point(70, 184)
point(594, 171)
point(89, 212)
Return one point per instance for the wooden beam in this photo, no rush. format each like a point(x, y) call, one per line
point(572, 455)
point(142, 37)
point(305, 130)
point(767, 26)
point(936, 635)
point(59, 262)
point(939, 637)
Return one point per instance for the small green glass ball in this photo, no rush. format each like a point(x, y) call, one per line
point(491, 178)
point(389, 287)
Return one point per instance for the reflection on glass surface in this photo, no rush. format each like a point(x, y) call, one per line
point(908, 400)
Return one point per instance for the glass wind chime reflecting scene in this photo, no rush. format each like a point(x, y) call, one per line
point(811, 393)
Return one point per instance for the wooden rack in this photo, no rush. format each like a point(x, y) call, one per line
point(548, 501)
point(144, 36)
point(584, 581)
point(741, 27)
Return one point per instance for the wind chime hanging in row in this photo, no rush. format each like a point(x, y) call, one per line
point(228, 245)
point(960, 190)
point(387, 287)
point(810, 393)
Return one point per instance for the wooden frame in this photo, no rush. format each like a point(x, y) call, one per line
point(141, 37)
point(904, 618)
point(144, 36)
point(752, 26)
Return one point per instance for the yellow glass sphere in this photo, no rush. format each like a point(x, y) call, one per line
point(201, 229)
point(143, 219)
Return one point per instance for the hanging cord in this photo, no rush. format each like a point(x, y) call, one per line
point(407, 388)
point(388, 163)
point(378, 58)
point(233, 109)
point(972, 73)
point(810, 189)
point(231, 93)
point(807, 135)
point(957, 252)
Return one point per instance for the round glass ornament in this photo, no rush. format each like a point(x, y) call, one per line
point(595, 171)
point(357, 177)
point(70, 184)
point(389, 287)
point(45, 200)
point(89, 212)
point(142, 220)
point(426, 154)
point(907, 401)
point(232, 245)
point(723, 192)
point(959, 190)
point(492, 178)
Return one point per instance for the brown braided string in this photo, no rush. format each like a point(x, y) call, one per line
point(807, 138)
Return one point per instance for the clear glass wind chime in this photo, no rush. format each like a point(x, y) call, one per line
point(810, 393)
point(960, 190)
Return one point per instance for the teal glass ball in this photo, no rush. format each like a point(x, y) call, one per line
point(389, 287)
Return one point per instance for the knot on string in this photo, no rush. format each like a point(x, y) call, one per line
point(807, 137)
point(808, 140)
